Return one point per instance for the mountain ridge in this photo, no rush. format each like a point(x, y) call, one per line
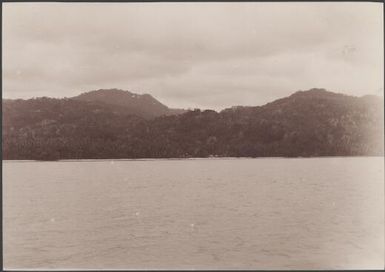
point(307, 123)
point(83, 97)
point(144, 105)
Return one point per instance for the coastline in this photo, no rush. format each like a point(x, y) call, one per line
point(190, 159)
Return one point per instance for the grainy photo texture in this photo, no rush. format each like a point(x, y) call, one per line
point(193, 135)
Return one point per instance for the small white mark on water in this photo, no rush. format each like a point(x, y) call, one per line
point(137, 213)
point(52, 220)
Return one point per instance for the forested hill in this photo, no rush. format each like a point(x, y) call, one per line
point(307, 123)
point(142, 105)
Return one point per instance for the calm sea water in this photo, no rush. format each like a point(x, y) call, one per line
point(195, 214)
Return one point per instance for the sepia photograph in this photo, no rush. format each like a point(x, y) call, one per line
point(192, 135)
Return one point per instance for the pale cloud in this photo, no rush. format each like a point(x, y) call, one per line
point(210, 55)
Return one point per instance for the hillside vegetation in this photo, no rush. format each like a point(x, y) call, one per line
point(107, 124)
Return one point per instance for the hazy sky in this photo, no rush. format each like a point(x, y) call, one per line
point(207, 55)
